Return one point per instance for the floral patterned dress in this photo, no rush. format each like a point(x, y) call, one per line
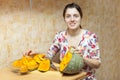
point(88, 47)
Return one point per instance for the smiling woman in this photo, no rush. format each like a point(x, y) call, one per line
point(22, 30)
point(72, 18)
point(71, 9)
point(84, 41)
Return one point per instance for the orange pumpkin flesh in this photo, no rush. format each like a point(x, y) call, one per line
point(17, 63)
point(27, 63)
point(23, 69)
point(38, 57)
point(65, 60)
point(44, 65)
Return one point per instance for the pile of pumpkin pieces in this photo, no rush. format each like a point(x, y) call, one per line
point(30, 63)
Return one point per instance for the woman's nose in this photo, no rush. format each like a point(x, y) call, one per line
point(72, 18)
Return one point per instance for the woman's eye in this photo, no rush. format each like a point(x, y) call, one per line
point(76, 15)
point(67, 16)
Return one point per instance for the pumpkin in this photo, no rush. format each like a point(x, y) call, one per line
point(71, 63)
point(25, 60)
point(24, 64)
point(18, 66)
point(23, 69)
point(28, 63)
point(44, 65)
point(32, 65)
point(17, 63)
point(38, 57)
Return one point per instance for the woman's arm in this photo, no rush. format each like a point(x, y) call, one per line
point(93, 63)
point(55, 47)
point(93, 53)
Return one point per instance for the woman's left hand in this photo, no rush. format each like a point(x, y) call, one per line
point(78, 52)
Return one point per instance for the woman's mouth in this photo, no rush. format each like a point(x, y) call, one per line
point(72, 24)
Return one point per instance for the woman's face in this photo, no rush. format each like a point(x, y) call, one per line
point(72, 18)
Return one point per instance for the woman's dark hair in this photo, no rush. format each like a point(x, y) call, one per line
point(73, 5)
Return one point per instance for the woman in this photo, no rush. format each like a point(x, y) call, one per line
point(83, 40)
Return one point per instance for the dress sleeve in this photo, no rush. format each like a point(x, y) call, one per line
point(55, 46)
point(93, 50)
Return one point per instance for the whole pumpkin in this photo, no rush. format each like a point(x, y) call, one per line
point(72, 62)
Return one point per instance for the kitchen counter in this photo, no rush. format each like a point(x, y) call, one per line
point(7, 74)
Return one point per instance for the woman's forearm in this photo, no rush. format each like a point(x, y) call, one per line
point(93, 63)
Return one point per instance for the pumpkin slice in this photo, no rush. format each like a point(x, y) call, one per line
point(23, 69)
point(32, 65)
point(25, 60)
point(18, 66)
point(24, 64)
point(72, 62)
point(17, 63)
point(38, 57)
point(44, 65)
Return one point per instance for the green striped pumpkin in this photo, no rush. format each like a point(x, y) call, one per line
point(74, 65)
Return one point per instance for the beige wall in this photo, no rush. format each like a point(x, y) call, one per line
point(23, 28)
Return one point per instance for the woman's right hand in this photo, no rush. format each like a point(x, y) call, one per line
point(29, 53)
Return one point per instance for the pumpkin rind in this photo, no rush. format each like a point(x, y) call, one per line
point(74, 65)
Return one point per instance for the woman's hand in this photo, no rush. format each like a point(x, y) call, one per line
point(93, 63)
point(77, 51)
point(29, 53)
